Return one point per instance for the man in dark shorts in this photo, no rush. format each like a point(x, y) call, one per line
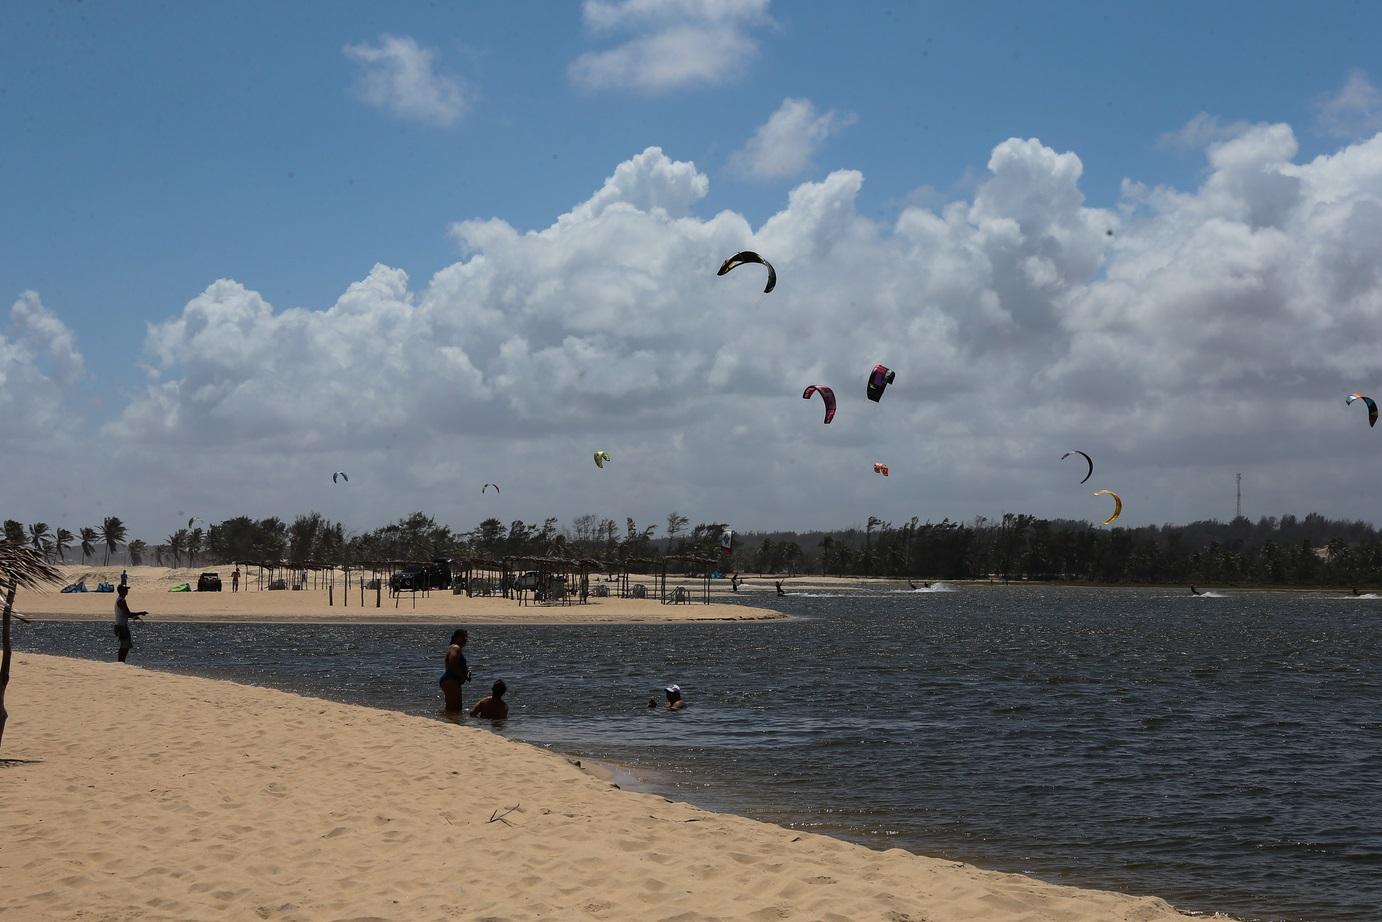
point(122, 621)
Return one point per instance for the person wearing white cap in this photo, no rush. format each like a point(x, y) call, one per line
point(675, 702)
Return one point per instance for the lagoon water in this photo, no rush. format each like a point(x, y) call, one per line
point(1223, 753)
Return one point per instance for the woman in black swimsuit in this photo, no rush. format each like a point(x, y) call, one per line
point(457, 673)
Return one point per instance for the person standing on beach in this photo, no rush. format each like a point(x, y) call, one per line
point(493, 707)
point(457, 672)
point(122, 621)
point(235, 580)
point(124, 578)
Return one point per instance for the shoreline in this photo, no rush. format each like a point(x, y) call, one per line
point(171, 796)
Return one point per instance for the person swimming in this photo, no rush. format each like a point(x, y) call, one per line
point(675, 702)
point(493, 707)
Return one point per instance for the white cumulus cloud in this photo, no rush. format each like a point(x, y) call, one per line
point(782, 146)
point(1179, 336)
point(669, 44)
point(1201, 131)
point(397, 75)
point(1354, 110)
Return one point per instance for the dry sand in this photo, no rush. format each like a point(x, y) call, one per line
point(133, 794)
point(149, 591)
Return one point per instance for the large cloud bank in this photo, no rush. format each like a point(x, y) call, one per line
point(1178, 337)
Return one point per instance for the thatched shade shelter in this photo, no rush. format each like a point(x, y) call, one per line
point(550, 580)
point(702, 566)
point(482, 576)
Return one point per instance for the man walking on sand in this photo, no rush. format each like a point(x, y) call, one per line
point(122, 621)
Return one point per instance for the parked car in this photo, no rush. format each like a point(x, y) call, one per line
point(417, 576)
point(209, 582)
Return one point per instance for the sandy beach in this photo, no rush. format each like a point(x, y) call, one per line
point(149, 590)
point(129, 793)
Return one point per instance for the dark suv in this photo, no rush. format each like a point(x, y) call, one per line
point(416, 576)
point(209, 582)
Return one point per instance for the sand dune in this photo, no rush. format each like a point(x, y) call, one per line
point(142, 795)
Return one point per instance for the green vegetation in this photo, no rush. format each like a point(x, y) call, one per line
point(1270, 552)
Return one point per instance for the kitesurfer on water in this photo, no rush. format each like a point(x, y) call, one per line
point(1194, 591)
point(780, 590)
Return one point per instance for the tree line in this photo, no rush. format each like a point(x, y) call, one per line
point(1312, 550)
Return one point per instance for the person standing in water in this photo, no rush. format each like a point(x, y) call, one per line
point(456, 673)
point(122, 621)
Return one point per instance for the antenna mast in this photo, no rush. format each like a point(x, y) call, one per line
point(1238, 514)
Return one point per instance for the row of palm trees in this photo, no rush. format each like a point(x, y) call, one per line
point(111, 533)
point(54, 545)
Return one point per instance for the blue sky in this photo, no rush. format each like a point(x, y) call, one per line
point(155, 148)
point(151, 149)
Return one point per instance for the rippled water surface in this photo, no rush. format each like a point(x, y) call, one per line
point(1223, 753)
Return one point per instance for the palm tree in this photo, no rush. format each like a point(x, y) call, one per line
point(42, 539)
point(112, 534)
point(873, 523)
point(19, 566)
point(88, 543)
point(62, 543)
point(137, 549)
point(175, 543)
point(194, 545)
